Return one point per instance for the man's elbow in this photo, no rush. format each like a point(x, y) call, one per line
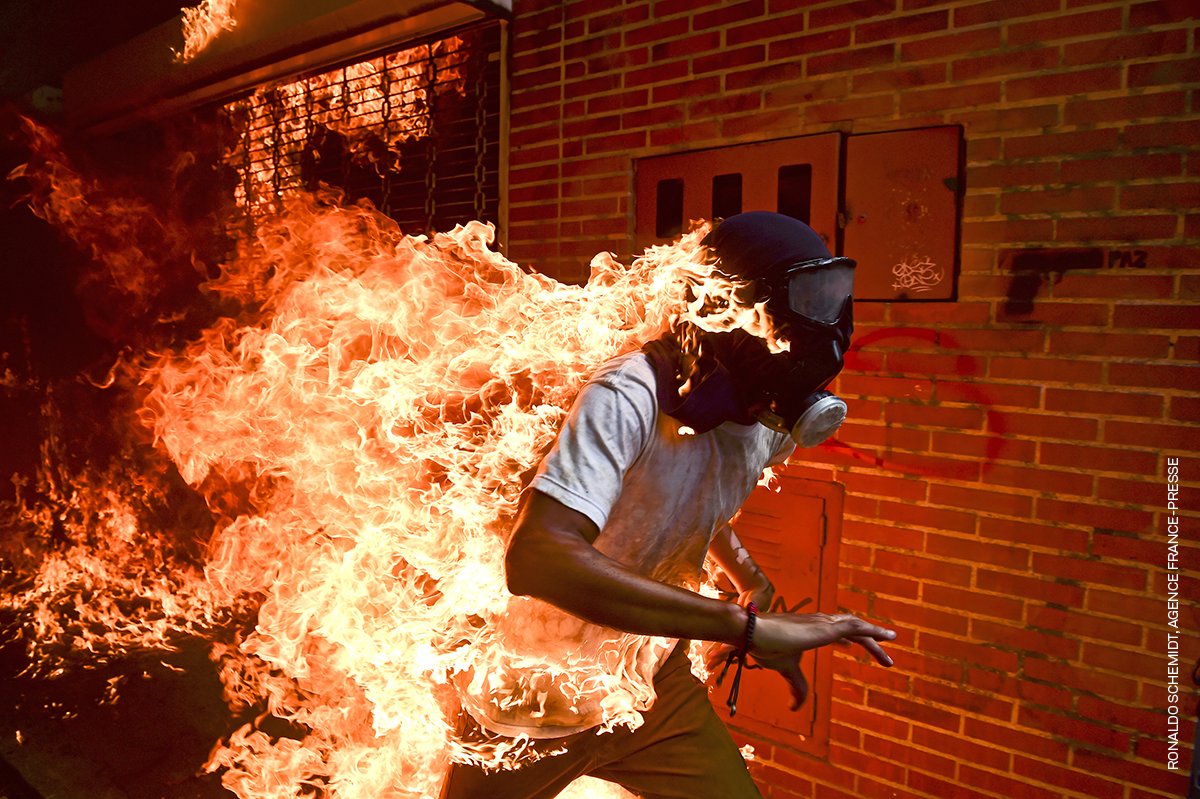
point(520, 570)
point(549, 547)
point(513, 576)
point(539, 565)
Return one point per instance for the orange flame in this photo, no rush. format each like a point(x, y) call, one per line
point(389, 403)
point(362, 430)
point(374, 105)
point(202, 24)
point(103, 579)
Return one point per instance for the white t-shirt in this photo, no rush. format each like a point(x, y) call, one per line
point(658, 496)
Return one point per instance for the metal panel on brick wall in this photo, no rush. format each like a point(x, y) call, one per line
point(903, 201)
point(794, 535)
point(796, 176)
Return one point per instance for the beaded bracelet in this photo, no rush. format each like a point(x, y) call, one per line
point(739, 656)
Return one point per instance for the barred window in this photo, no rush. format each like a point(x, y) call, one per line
point(415, 131)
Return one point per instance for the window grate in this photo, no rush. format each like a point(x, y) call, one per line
point(415, 131)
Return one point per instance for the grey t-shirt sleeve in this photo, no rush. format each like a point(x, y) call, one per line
point(604, 433)
point(783, 451)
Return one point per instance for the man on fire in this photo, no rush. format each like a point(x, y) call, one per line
point(658, 453)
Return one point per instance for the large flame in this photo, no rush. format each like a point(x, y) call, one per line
point(361, 423)
point(388, 407)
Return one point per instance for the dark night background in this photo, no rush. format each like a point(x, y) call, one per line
point(43, 332)
point(54, 324)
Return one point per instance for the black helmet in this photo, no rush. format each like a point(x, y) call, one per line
point(790, 265)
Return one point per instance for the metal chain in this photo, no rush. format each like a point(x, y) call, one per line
point(431, 142)
point(480, 139)
point(308, 134)
point(275, 107)
point(385, 166)
point(345, 155)
point(249, 192)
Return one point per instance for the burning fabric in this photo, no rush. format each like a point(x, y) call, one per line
point(384, 409)
point(361, 420)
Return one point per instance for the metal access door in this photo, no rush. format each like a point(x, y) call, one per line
point(793, 534)
point(903, 204)
point(895, 198)
point(798, 177)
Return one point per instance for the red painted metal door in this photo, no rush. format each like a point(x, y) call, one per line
point(793, 534)
point(903, 195)
point(797, 176)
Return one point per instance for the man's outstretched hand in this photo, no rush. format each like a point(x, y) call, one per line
point(779, 635)
point(783, 634)
point(781, 638)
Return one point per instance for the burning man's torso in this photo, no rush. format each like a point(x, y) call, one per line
point(657, 496)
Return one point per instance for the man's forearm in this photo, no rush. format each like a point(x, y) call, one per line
point(735, 561)
point(551, 557)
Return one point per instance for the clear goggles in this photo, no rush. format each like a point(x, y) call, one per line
point(817, 289)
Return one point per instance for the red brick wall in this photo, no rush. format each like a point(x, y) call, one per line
point(1005, 469)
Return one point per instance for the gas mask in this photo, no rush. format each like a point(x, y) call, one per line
point(811, 304)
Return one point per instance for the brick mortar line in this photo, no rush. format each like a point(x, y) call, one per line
point(970, 191)
point(1024, 653)
point(1131, 183)
point(926, 528)
point(883, 547)
point(1066, 357)
point(875, 546)
point(852, 26)
point(1020, 701)
point(824, 128)
point(905, 742)
point(1059, 789)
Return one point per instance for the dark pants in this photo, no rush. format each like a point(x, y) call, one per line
point(683, 751)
